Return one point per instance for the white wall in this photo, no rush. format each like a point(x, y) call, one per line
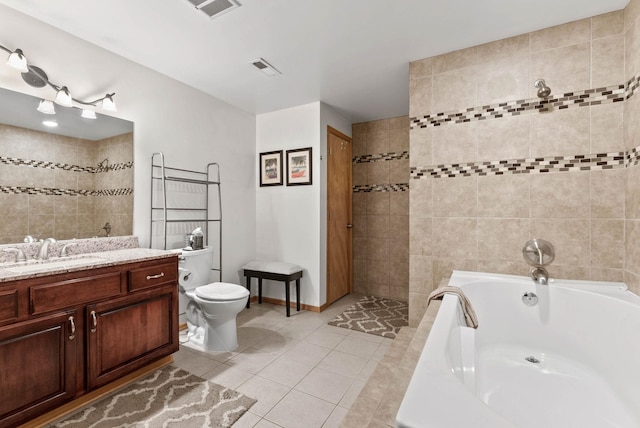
point(190, 127)
point(291, 221)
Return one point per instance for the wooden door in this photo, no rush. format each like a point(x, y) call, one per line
point(37, 366)
point(339, 259)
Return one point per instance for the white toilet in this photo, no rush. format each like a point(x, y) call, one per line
point(211, 307)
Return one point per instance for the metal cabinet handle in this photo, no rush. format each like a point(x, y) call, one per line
point(72, 322)
point(349, 225)
point(160, 275)
point(94, 322)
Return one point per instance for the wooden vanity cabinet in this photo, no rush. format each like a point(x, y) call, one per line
point(65, 334)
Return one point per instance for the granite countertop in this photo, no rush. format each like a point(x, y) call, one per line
point(79, 262)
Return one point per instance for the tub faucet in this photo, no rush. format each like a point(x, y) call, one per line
point(539, 275)
point(43, 253)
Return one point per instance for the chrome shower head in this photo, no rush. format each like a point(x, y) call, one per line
point(543, 90)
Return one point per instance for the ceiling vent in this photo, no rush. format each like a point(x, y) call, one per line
point(265, 67)
point(215, 8)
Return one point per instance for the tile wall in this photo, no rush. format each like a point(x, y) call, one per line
point(381, 208)
point(492, 166)
point(50, 185)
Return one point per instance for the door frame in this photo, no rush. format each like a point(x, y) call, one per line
point(335, 132)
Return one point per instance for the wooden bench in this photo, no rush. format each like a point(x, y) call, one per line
point(277, 271)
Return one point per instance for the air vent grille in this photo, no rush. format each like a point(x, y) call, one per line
point(265, 67)
point(214, 8)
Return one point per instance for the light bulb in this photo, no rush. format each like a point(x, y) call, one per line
point(18, 61)
point(63, 97)
point(46, 107)
point(50, 123)
point(88, 114)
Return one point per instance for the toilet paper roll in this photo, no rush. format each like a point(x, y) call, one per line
point(183, 276)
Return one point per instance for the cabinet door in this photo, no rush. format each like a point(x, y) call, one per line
point(37, 369)
point(128, 333)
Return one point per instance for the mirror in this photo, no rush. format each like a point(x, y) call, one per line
point(64, 182)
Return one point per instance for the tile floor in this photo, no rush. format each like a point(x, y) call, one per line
point(303, 372)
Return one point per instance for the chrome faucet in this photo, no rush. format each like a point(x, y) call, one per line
point(43, 253)
point(539, 275)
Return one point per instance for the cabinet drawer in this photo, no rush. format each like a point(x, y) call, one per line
point(71, 292)
point(8, 305)
point(153, 276)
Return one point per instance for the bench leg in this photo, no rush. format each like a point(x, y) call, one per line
point(288, 297)
point(248, 288)
point(298, 294)
point(260, 290)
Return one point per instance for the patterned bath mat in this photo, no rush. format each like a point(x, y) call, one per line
point(169, 397)
point(375, 315)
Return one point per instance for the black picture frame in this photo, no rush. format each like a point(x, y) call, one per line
point(300, 167)
point(270, 167)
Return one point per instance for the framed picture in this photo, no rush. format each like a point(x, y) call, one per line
point(271, 168)
point(299, 167)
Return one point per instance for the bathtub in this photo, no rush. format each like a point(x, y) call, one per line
point(571, 360)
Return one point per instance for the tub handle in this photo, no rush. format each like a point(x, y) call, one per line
point(160, 275)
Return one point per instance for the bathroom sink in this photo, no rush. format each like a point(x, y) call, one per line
point(54, 265)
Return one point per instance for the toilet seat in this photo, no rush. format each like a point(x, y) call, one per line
point(221, 292)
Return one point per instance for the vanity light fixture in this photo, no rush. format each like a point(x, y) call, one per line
point(88, 114)
point(36, 77)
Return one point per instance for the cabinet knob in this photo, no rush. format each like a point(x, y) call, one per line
point(94, 322)
point(72, 323)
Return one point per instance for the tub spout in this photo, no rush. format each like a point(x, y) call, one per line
point(539, 275)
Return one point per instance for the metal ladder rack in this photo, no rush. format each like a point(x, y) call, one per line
point(197, 212)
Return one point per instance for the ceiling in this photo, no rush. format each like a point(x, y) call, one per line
point(350, 54)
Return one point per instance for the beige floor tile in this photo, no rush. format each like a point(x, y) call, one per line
point(298, 410)
point(252, 360)
point(307, 353)
point(352, 393)
point(276, 343)
point(335, 419)
point(366, 336)
point(342, 363)
point(266, 392)
point(247, 420)
point(227, 376)
point(197, 364)
point(358, 347)
point(326, 338)
point(285, 371)
point(326, 385)
point(266, 424)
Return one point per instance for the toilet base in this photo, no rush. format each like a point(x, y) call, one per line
point(217, 338)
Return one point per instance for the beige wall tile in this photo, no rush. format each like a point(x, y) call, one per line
point(632, 193)
point(631, 13)
point(504, 196)
point(398, 171)
point(378, 142)
point(11, 204)
point(14, 224)
point(359, 173)
point(400, 122)
point(455, 143)
point(359, 203)
point(503, 267)
point(398, 251)
point(378, 249)
point(400, 274)
point(377, 226)
point(565, 69)
point(632, 50)
point(359, 146)
point(602, 274)
point(560, 132)
point(607, 201)
point(399, 228)
point(607, 128)
point(66, 205)
point(454, 90)
point(399, 203)
point(569, 272)
point(607, 243)
point(417, 308)
point(607, 61)
point(455, 197)
point(607, 24)
point(502, 239)
point(399, 292)
point(502, 139)
point(503, 80)
point(632, 249)
point(420, 97)
point(421, 68)
point(421, 274)
point(378, 273)
point(378, 125)
point(378, 203)
point(631, 123)
point(560, 195)
point(66, 226)
point(420, 239)
point(378, 172)
point(570, 237)
point(632, 281)
point(420, 144)
point(359, 226)
point(512, 49)
point(455, 60)
point(420, 198)
point(358, 130)
point(455, 238)
point(41, 226)
point(39, 204)
point(360, 248)
point(559, 36)
point(443, 267)
point(399, 140)
point(378, 289)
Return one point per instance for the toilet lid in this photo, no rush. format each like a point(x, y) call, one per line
point(221, 291)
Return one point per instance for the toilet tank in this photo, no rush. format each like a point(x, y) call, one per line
point(199, 263)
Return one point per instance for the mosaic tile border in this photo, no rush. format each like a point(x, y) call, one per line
point(381, 157)
point(589, 97)
point(50, 191)
point(368, 188)
point(6, 160)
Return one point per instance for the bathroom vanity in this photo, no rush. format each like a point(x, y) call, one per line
point(77, 326)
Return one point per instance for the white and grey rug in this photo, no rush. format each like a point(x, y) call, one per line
point(169, 397)
point(374, 315)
